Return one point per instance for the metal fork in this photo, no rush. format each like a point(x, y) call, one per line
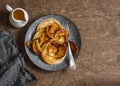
point(72, 64)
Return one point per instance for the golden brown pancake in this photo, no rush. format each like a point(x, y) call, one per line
point(49, 41)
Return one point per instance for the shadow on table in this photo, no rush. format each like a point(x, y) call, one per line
point(4, 19)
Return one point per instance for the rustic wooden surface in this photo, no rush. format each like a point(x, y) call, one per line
point(99, 24)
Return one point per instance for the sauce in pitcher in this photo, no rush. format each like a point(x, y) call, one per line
point(19, 15)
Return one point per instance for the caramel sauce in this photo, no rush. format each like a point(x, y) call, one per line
point(19, 15)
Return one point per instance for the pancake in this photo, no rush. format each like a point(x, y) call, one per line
point(50, 41)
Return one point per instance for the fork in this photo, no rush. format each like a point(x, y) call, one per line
point(72, 64)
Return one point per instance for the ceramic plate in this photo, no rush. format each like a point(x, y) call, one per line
point(37, 59)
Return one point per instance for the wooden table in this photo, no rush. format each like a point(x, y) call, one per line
point(99, 24)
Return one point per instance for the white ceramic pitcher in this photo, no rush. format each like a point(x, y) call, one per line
point(22, 19)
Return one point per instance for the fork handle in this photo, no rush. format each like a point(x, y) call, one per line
point(72, 64)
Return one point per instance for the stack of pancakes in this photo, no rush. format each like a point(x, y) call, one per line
point(49, 41)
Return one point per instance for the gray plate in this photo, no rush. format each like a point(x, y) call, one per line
point(36, 59)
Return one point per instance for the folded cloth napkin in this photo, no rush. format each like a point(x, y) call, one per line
point(12, 68)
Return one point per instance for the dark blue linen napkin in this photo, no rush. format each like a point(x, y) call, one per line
point(12, 66)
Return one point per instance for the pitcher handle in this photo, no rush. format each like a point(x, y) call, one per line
point(9, 8)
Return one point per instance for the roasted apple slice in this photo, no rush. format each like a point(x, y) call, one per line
point(61, 36)
point(29, 44)
point(39, 33)
point(52, 29)
point(74, 47)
